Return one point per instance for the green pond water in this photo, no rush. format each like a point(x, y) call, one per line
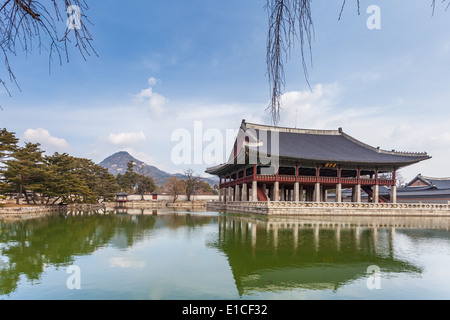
point(221, 256)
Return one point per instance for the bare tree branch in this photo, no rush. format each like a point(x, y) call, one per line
point(290, 22)
point(26, 22)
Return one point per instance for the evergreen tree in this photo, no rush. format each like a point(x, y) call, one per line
point(26, 171)
point(128, 180)
point(8, 144)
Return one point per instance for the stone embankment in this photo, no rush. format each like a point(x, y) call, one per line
point(29, 212)
point(161, 204)
point(275, 208)
point(25, 212)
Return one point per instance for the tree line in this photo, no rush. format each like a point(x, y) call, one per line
point(137, 181)
point(27, 173)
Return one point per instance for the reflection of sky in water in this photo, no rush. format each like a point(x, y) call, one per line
point(222, 257)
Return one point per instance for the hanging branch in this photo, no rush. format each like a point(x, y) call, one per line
point(26, 22)
point(290, 21)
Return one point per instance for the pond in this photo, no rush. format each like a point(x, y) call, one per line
point(168, 255)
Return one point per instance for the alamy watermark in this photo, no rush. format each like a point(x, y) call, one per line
point(74, 19)
point(374, 280)
point(200, 146)
point(374, 20)
point(74, 280)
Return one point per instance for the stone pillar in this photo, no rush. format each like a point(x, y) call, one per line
point(317, 192)
point(376, 193)
point(296, 192)
point(339, 193)
point(323, 194)
point(394, 194)
point(237, 196)
point(255, 190)
point(301, 194)
point(244, 192)
point(230, 194)
point(283, 193)
point(276, 191)
point(358, 193)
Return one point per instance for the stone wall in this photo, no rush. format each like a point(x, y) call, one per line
point(29, 212)
point(161, 204)
point(333, 209)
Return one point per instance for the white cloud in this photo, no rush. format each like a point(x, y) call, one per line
point(125, 263)
point(305, 108)
point(154, 101)
point(126, 138)
point(47, 141)
point(152, 81)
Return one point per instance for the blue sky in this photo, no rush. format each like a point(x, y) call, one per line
point(166, 65)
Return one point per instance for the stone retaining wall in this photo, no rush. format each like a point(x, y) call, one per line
point(329, 208)
point(161, 204)
point(29, 212)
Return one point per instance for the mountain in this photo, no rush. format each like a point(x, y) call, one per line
point(117, 163)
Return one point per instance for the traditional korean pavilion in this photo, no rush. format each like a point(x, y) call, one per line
point(286, 164)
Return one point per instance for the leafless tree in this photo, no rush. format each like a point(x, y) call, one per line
point(174, 187)
point(400, 180)
point(290, 22)
point(192, 183)
point(26, 24)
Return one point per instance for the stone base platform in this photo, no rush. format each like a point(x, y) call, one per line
point(274, 208)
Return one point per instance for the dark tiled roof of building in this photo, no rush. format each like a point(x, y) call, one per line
point(328, 145)
point(429, 183)
point(332, 146)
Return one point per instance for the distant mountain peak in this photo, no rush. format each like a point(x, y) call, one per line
point(117, 163)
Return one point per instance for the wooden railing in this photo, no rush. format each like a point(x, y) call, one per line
point(309, 180)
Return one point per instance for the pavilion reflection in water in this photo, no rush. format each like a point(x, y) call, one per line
point(285, 254)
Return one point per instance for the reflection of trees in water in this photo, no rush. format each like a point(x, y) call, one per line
point(28, 247)
point(284, 254)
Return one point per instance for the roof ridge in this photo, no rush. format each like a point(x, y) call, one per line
point(335, 133)
point(438, 179)
point(377, 149)
point(291, 130)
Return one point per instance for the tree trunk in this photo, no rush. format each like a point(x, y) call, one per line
point(26, 197)
point(19, 196)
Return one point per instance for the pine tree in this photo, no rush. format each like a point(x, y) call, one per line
point(8, 144)
point(26, 172)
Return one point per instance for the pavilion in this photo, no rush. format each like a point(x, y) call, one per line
point(285, 164)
